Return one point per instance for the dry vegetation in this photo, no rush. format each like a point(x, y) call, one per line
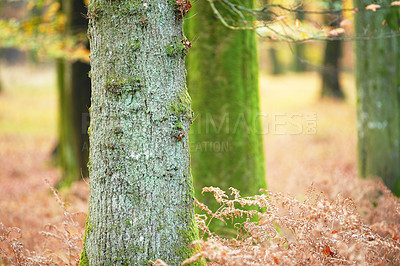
point(340, 219)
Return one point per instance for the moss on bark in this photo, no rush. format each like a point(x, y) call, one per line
point(378, 93)
point(226, 137)
point(141, 193)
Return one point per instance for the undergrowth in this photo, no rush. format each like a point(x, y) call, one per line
point(291, 232)
point(69, 237)
point(326, 228)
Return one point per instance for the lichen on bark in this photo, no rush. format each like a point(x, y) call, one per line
point(141, 194)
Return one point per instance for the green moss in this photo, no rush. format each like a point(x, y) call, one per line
point(84, 258)
point(188, 236)
point(176, 48)
point(181, 106)
point(223, 82)
point(119, 86)
point(135, 45)
point(94, 10)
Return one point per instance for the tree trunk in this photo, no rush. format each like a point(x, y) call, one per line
point(74, 102)
point(299, 48)
point(331, 67)
point(277, 67)
point(378, 94)
point(330, 71)
point(141, 194)
point(226, 139)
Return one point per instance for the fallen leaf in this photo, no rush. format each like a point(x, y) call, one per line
point(327, 251)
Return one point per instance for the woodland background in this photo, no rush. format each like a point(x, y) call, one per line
point(313, 163)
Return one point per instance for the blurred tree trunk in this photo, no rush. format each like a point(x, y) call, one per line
point(226, 137)
point(141, 194)
point(277, 67)
point(74, 102)
point(299, 48)
point(378, 94)
point(331, 67)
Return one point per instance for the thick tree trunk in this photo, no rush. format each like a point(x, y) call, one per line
point(226, 139)
point(141, 194)
point(331, 68)
point(74, 100)
point(378, 94)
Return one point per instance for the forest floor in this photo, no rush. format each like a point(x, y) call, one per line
point(309, 141)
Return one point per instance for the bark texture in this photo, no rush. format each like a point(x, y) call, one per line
point(141, 195)
point(74, 103)
point(226, 139)
point(378, 93)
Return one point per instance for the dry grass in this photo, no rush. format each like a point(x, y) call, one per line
point(318, 230)
point(341, 219)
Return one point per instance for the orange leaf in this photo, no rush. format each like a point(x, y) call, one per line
point(395, 3)
point(327, 251)
point(298, 23)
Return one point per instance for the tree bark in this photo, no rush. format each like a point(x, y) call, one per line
point(226, 139)
point(74, 102)
point(378, 94)
point(141, 194)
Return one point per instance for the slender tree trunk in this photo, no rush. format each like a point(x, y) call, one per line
point(378, 94)
point(74, 101)
point(277, 67)
point(141, 194)
point(299, 48)
point(226, 139)
point(331, 68)
point(330, 71)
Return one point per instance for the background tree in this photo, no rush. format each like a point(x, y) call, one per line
point(333, 50)
point(74, 102)
point(378, 95)
point(299, 48)
point(226, 137)
point(141, 195)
